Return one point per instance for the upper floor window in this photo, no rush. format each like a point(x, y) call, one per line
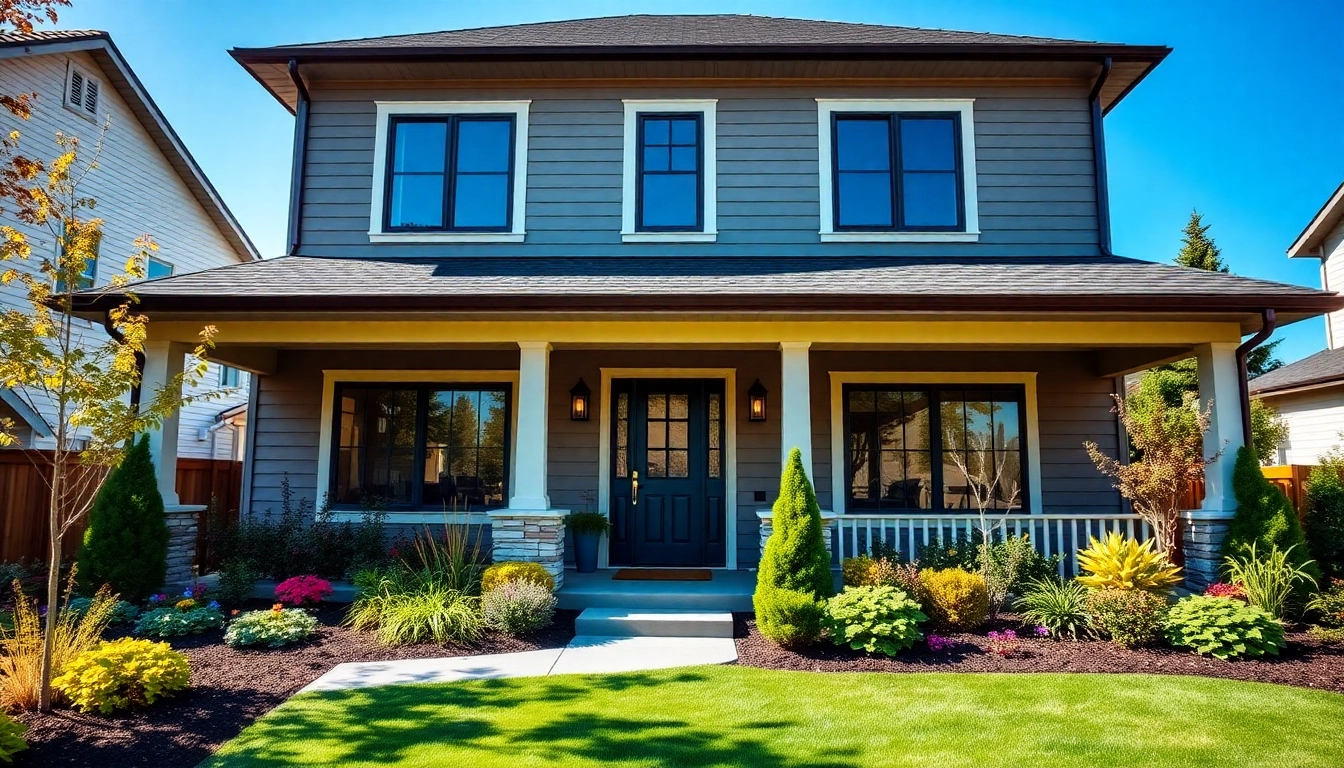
point(450, 171)
point(157, 268)
point(229, 377)
point(897, 170)
point(89, 277)
point(669, 180)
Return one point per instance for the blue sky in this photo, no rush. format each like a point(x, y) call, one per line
point(1242, 121)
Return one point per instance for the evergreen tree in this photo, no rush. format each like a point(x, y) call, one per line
point(1261, 360)
point(1198, 249)
point(1264, 516)
point(126, 543)
point(795, 573)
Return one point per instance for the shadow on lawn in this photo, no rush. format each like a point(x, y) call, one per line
point(383, 726)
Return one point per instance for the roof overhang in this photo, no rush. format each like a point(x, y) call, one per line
point(1325, 382)
point(1311, 241)
point(122, 78)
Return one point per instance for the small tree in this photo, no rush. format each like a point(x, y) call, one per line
point(795, 571)
point(1198, 249)
point(126, 543)
point(1172, 448)
point(989, 489)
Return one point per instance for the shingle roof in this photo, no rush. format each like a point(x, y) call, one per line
point(1321, 368)
point(48, 35)
point(887, 283)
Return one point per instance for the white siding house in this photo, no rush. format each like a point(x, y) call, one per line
point(146, 183)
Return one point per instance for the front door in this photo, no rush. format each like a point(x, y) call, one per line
point(667, 488)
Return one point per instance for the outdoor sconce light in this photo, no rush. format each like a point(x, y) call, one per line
point(578, 402)
point(756, 402)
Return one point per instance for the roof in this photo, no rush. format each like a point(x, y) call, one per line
point(1322, 224)
point(1087, 284)
point(122, 78)
point(716, 36)
point(1321, 369)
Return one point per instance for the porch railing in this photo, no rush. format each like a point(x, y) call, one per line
point(1063, 534)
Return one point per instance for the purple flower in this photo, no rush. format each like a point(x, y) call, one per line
point(939, 643)
point(1042, 631)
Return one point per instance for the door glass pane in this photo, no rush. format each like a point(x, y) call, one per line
point(657, 463)
point(678, 464)
point(678, 406)
point(622, 435)
point(678, 434)
point(657, 434)
point(657, 406)
point(715, 463)
point(715, 420)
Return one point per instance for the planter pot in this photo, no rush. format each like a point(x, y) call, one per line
point(585, 551)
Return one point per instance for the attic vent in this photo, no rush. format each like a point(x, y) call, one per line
point(82, 91)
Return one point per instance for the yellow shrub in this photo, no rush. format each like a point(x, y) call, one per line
point(858, 571)
point(514, 570)
point(1120, 563)
point(954, 598)
point(122, 673)
point(21, 643)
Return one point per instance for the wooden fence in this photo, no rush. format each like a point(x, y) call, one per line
point(24, 502)
point(1291, 479)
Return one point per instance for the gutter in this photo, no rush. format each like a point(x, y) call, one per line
point(300, 156)
point(118, 337)
point(1268, 322)
point(1099, 160)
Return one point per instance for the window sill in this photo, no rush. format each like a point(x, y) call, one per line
point(669, 237)
point(447, 237)
point(900, 237)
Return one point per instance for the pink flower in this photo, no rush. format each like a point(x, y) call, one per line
point(303, 590)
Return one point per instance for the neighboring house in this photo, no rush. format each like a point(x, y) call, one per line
point(1309, 393)
point(146, 182)
point(636, 260)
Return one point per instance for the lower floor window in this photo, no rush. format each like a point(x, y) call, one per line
point(934, 448)
point(422, 446)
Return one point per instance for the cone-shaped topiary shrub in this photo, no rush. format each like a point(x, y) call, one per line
point(126, 543)
point(1264, 517)
point(795, 573)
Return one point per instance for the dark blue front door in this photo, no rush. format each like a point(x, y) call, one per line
point(667, 500)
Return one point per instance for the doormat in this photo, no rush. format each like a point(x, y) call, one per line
point(663, 574)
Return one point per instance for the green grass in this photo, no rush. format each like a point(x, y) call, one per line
point(739, 716)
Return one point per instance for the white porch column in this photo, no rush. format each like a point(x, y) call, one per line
point(796, 402)
point(529, 472)
point(163, 361)
point(1218, 382)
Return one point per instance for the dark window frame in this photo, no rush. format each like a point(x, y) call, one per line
point(450, 171)
point(422, 390)
point(699, 118)
point(897, 172)
point(934, 392)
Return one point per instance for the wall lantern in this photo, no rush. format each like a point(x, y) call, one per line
point(756, 402)
point(578, 402)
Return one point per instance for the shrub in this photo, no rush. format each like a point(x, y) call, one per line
point(959, 551)
point(274, 628)
point(11, 738)
point(1009, 566)
point(236, 580)
point(1223, 589)
point(121, 674)
point(407, 607)
point(1129, 617)
point(883, 571)
point(1328, 605)
point(588, 522)
point(303, 591)
point(1324, 526)
point(1331, 635)
point(874, 619)
point(23, 639)
point(1264, 516)
point(1059, 606)
point(178, 622)
point(514, 570)
point(126, 542)
point(957, 599)
point(518, 607)
point(795, 570)
point(1268, 580)
point(1117, 562)
point(1223, 628)
point(122, 611)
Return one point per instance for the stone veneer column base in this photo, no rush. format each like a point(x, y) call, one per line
point(1203, 548)
point(767, 517)
point(181, 520)
point(534, 537)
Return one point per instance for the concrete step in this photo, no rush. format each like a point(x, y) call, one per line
point(624, 622)
point(728, 591)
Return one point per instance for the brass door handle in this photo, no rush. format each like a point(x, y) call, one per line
point(634, 489)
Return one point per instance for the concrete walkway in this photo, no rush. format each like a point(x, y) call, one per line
point(583, 655)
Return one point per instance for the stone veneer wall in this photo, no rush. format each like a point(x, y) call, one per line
point(534, 538)
point(181, 546)
point(1203, 547)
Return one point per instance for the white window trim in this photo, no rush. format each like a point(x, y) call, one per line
point(965, 107)
point(710, 194)
point(1026, 379)
point(89, 77)
point(386, 109)
point(326, 448)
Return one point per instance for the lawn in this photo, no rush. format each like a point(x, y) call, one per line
point(738, 716)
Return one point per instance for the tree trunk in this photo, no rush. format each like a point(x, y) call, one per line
point(53, 581)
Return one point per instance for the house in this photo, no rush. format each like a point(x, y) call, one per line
point(626, 264)
point(147, 183)
point(1309, 393)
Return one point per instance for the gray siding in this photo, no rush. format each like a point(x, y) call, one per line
point(1033, 151)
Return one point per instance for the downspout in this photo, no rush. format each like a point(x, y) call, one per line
point(1268, 322)
point(300, 156)
point(1099, 161)
point(118, 337)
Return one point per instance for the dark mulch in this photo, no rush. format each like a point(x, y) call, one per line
point(229, 689)
point(1305, 663)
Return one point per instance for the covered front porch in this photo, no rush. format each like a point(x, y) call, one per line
point(676, 427)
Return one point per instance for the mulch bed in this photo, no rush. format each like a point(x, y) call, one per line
point(229, 689)
point(1305, 663)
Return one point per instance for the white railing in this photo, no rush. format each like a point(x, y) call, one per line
point(1063, 534)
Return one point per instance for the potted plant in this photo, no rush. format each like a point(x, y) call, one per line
point(588, 528)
